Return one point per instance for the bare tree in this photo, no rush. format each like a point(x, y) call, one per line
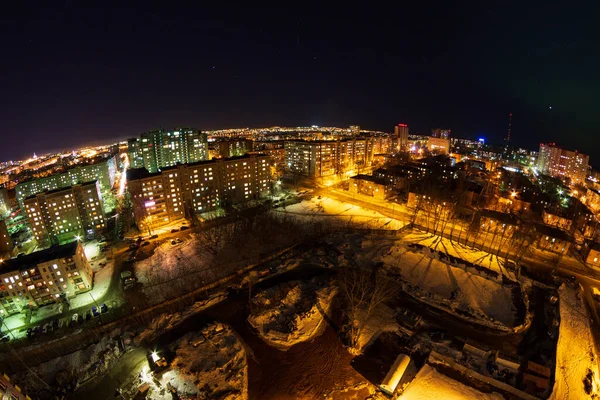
point(362, 291)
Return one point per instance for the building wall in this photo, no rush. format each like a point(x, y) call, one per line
point(62, 215)
point(593, 258)
point(438, 145)
point(6, 242)
point(5, 205)
point(176, 192)
point(562, 163)
point(401, 137)
point(103, 172)
point(316, 159)
point(32, 286)
point(556, 221)
point(10, 391)
point(368, 188)
point(160, 149)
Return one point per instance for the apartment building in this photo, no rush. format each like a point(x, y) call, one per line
point(160, 148)
point(43, 277)
point(103, 172)
point(561, 163)
point(177, 192)
point(62, 215)
point(6, 242)
point(321, 158)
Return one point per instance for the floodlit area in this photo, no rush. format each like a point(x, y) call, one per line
point(577, 375)
point(460, 251)
point(430, 384)
point(432, 280)
point(341, 213)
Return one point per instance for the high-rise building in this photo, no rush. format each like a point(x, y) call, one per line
point(159, 148)
point(64, 214)
point(233, 148)
point(320, 158)
point(103, 172)
point(42, 277)
point(401, 137)
point(441, 133)
point(4, 203)
point(6, 242)
point(176, 192)
point(561, 163)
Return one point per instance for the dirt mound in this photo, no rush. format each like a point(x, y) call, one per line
point(292, 312)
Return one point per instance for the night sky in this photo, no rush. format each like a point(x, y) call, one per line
point(73, 75)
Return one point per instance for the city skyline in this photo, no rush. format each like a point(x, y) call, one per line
point(73, 81)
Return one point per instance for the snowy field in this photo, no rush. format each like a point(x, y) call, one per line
point(341, 213)
point(430, 384)
point(160, 273)
point(432, 280)
point(101, 285)
point(210, 364)
point(576, 358)
point(461, 251)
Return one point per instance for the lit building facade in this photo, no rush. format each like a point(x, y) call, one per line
point(438, 145)
point(561, 163)
point(103, 172)
point(322, 158)
point(6, 242)
point(441, 133)
point(401, 137)
point(5, 205)
point(65, 214)
point(233, 148)
point(177, 192)
point(159, 148)
point(43, 277)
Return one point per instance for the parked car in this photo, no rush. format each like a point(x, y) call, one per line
point(95, 311)
point(174, 230)
point(47, 328)
point(131, 258)
point(183, 228)
point(173, 242)
point(88, 315)
point(437, 335)
point(133, 246)
point(75, 318)
point(4, 338)
point(178, 240)
point(103, 308)
point(145, 244)
point(154, 237)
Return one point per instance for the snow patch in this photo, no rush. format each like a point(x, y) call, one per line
point(292, 312)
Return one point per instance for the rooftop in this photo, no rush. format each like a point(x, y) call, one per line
point(61, 189)
point(33, 259)
point(370, 178)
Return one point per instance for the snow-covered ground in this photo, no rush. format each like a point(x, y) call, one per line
point(167, 321)
point(576, 358)
point(431, 279)
point(292, 312)
point(74, 368)
point(210, 364)
point(101, 284)
point(158, 272)
point(341, 213)
point(430, 384)
point(461, 251)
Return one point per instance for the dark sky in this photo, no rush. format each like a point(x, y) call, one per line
point(71, 74)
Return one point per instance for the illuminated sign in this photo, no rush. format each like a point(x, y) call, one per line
point(149, 204)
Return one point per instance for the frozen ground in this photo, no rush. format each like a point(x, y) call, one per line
point(577, 375)
point(430, 279)
point(341, 213)
point(461, 251)
point(210, 364)
point(75, 368)
point(158, 272)
point(165, 322)
point(101, 285)
point(430, 384)
point(292, 312)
